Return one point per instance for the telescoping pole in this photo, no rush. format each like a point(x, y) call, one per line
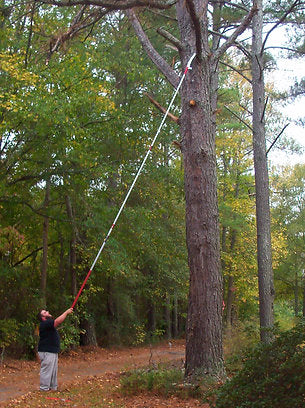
point(188, 66)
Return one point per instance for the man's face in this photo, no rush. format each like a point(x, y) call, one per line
point(45, 315)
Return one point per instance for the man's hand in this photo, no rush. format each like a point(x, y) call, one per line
point(62, 317)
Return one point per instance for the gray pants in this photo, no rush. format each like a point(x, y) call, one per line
point(48, 370)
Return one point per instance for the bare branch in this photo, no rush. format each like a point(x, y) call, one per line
point(264, 110)
point(168, 36)
point(161, 108)
point(33, 253)
point(236, 70)
point(160, 63)
point(239, 30)
point(239, 118)
point(236, 43)
point(286, 49)
point(158, 13)
point(276, 139)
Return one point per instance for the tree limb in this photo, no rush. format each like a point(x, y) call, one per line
point(281, 20)
point(113, 4)
point(161, 108)
point(169, 37)
point(239, 30)
point(156, 58)
point(238, 44)
point(239, 118)
point(33, 253)
point(236, 70)
point(276, 139)
point(196, 22)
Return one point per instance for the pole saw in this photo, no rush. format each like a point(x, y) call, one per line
point(188, 66)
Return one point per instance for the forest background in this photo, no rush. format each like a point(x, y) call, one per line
point(74, 127)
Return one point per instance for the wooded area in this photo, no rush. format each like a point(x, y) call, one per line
point(211, 218)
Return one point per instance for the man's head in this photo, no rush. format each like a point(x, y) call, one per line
point(44, 315)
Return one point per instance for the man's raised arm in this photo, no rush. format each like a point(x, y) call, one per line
point(62, 317)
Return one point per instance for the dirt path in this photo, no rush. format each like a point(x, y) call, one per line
point(20, 377)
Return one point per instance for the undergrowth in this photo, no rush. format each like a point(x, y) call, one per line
point(161, 380)
point(272, 375)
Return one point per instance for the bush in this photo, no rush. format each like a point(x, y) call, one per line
point(273, 375)
point(163, 381)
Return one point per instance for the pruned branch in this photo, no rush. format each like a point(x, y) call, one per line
point(156, 58)
point(169, 37)
point(161, 108)
point(239, 30)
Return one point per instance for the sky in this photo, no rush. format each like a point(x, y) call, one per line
point(288, 70)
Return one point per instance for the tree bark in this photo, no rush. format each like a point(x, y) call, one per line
point(175, 328)
point(88, 337)
point(204, 352)
point(168, 318)
point(264, 260)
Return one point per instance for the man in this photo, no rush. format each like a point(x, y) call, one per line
point(49, 347)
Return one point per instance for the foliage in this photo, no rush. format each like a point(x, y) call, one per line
point(163, 381)
point(8, 332)
point(272, 375)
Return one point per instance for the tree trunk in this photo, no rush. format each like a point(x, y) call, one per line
point(168, 318)
point(88, 334)
point(264, 260)
point(229, 304)
point(204, 322)
point(45, 237)
point(175, 317)
point(151, 317)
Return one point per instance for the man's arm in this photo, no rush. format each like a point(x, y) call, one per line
point(62, 317)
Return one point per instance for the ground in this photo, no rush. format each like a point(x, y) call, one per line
point(90, 378)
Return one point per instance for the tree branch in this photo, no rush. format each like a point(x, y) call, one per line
point(281, 20)
point(276, 139)
point(156, 58)
point(169, 37)
point(236, 70)
point(238, 44)
point(239, 30)
point(33, 253)
point(196, 22)
point(161, 108)
point(113, 4)
point(239, 118)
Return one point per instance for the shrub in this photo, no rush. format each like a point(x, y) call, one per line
point(273, 375)
point(163, 381)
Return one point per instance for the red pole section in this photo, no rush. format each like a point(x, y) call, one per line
point(136, 177)
point(81, 288)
